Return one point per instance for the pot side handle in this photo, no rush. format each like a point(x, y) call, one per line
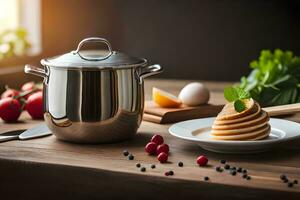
point(30, 69)
point(150, 71)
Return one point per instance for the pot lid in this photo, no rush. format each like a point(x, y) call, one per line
point(93, 58)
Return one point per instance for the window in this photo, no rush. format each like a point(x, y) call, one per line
point(22, 14)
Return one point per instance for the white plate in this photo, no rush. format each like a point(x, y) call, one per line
point(198, 130)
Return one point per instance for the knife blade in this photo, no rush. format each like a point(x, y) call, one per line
point(40, 130)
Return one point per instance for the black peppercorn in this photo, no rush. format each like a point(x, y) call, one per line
point(223, 161)
point(206, 178)
point(290, 184)
point(143, 169)
point(125, 153)
point(138, 165)
point(227, 166)
point(180, 164)
point(130, 157)
point(152, 166)
point(283, 177)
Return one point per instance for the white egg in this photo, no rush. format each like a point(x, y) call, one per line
point(194, 94)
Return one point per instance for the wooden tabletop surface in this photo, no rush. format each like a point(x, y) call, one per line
point(48, 168)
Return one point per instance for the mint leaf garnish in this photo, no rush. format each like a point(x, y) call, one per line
point(239, 105)
point(237, 95)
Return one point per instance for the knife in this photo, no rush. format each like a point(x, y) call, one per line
point(40, 130)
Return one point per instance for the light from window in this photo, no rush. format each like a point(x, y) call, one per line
point(9, 14)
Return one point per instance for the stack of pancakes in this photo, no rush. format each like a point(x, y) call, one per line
point(250, 124)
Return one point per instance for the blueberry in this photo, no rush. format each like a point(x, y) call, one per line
point(180, 164)
point(206, 178)
point(248, 177)
point(295, 181)
point(244, 171)
point(171, 173)
point(239, 169)
point(152, 166)
point(227, 166)
point(138, 165)
point(233, 173)
point(245, 176)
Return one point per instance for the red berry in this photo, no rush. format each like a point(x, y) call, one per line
point(202, 160)
point(10, 93)
point(151, 148)
point(158, 139)
point(162, 148)
point(10, 109)
point(28, 86)
point(162, 157)
point(34, 105)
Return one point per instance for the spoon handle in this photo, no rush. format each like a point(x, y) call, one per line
point(283, 109)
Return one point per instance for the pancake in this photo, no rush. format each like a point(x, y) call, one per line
point(228, 112)
point(253, 135)
point(256, 111)
point(251, 124)
point(261, 118)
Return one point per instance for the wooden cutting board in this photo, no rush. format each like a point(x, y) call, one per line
point(156, 114)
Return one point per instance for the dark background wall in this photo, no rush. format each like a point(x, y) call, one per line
point(204, 39)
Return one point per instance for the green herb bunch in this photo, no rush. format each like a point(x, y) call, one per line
point(237, 95)
point(275, 78)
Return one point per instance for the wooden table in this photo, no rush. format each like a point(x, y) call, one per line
point(47, 168)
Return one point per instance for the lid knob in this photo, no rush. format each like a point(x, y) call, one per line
point(93, 39)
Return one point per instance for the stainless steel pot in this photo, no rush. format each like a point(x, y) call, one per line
point(93, 96)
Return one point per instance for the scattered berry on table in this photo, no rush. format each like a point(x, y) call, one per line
point(295, 181)
point(244, 171)
point(138, 165)
point(130, 157)
point(285, 180)
point(162, 148)
point(206, 178)
point(180, 164)
point(223, 161)
point(150, 148)
point(248, 177)
point(162, 157)
point(166, 173)
point(158, 139)
point(218, 168)
point(233, 173)
point(239, 169)
point(153, 166)
point(233, 168)
point(202, 160)
point(283, 177)
point(290, 184)
point(125, 153)
point(245, 176)
point(143, 169)
point(171, 173)
point(227, 166)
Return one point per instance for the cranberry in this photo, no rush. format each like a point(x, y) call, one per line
point(151, 148)
point(158, 139)
point(202, 160)
point(162, 148)
point(162, 157)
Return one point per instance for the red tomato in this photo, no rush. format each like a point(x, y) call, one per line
point(10, 109)
point(34, 105)
point(10, 93)
point(28, 86)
